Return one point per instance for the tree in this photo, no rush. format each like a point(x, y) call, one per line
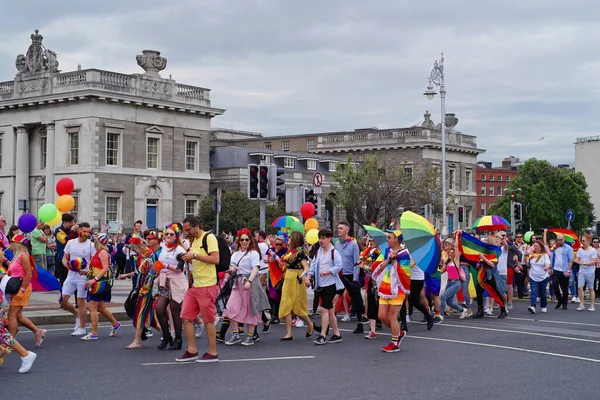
point(375, 193)
point(237, 212)
point(546, 193)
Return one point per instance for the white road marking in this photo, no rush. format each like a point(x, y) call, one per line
point(553, 322)
point(25, 330)
point(237, 360)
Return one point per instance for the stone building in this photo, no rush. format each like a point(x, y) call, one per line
point(136, 145)
point(418, 147)
point(586, 157)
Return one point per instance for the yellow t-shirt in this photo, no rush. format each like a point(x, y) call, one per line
point(204, 274)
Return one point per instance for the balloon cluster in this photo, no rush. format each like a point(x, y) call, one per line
point(311, 225)
point(51, 213)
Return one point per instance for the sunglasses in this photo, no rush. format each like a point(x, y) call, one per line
point(169, 234)
point(519, 237)
point(244, 240)
point(278, 244)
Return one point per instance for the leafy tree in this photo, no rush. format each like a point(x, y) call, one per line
point(546, 193)
point(378, 193)
point(237, 212)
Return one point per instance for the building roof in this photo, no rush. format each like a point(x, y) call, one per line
point(238, 157)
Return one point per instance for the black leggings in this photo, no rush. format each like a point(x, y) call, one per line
point(372, 300)
point(161, 314)
point(414, 298)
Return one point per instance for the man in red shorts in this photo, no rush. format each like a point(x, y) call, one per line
point(203, 290)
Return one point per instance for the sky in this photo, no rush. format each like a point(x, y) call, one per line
point(522, 76)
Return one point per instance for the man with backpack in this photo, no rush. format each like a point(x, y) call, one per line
point(203, 290)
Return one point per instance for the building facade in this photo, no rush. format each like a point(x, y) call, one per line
point(492, 182)
point(137, 146)
point(586, 158)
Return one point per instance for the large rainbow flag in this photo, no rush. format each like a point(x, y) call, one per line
point(470, 248)
point(570, 237)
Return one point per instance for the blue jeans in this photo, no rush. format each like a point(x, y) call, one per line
point(448, 296)
point(573, 280)
point(539, 288)
point(465, 285)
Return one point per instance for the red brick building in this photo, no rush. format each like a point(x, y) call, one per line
point(491, 182)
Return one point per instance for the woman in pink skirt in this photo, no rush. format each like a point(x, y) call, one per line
point(248, 299)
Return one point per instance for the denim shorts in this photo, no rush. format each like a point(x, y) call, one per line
point(586, 276)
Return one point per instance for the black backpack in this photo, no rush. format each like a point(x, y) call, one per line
point(224, 252)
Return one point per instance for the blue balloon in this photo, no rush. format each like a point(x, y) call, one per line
point(280, 232)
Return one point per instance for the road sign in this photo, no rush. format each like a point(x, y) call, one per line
point(317, 179)
point(318, 190)
point(219, 196)
point(570, 215)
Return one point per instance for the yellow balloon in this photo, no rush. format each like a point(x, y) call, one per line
point(312, 236)
point(65, 203)
point(311, 223)
point(56, 220)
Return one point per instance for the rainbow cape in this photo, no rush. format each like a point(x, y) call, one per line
point(570, 237)
point(489, 288)
point(395, 276)
point(470, 247)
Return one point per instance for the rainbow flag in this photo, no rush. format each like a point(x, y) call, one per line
point(470, 248)
point(570, 237)
point(3, 270)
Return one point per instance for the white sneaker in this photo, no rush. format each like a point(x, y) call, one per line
point(463, 314)
point(580, 308)
point(407, 318)
point(544, 310)
point(575, 299)
point(300, 324)
point(488, 311)
point(27, 362)
point(346, 318)
point(76, 324)
point(79, 332)
point(199, 330)
point(592, 308)
point(509, 306)
point(531, 309)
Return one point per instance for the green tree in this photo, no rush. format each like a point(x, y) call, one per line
point(546, 193)
point(237, 212)
point(376, 193)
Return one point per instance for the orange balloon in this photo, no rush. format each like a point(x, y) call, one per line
point(65, 203)
point(311, 223)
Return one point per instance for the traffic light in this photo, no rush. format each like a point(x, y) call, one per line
point(423, 211)
point(252, 181)
point(461, 214)
point(263, 182)
point(518, 212)
point(276, 182)
point(311, 197)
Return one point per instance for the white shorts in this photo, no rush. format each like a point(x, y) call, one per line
point(75, 283)
point(586, 276)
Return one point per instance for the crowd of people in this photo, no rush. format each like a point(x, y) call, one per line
point(186, 281)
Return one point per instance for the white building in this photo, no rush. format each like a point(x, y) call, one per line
point(586, 162)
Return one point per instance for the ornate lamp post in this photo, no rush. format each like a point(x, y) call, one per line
point(436, 77)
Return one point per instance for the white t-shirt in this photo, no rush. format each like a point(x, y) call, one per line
point(416, 273)
point(264, 267)
point(588, 255)
point(170, 257)
point(76, 249)
point(245, 263)
point(536, 270)
point(503, 262)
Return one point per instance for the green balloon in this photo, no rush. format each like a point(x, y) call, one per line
point(527, 236)
point(47, 212)
point(297, 227)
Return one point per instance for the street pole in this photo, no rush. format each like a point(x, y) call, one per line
point(263, 212)
point(436, 77)
point(219, 197)
point(513, 222)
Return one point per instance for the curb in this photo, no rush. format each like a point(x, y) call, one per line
point(67, 318)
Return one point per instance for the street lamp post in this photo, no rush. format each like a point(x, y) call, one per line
point(436, 77)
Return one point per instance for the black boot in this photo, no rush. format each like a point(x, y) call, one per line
point(176, 345)
point(359, 328)
point(503, 313)
point(479, 313)
point(166, 340)
point(429, 321)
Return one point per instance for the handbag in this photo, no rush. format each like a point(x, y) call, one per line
point(461, 273)
point(223, 296)
point(103, 285)
point(131, 301)
point(279, 287)
point(10, 285)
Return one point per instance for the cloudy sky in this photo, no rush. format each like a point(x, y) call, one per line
point(522, 76)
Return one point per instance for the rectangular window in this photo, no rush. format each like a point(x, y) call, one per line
point(289, 162)
point(311, 164)
point(191, 207)
point(74, 148)
point(499, 191)
point(190, 156)
point(409, 170)
point(491, 189)
point(332, 166)
point(243, 144)
point(285, 145)
point(44, 151)
point(75, 210)
point(491, 177)
point(310, 144)
point(483, 177)
point(451, 179)
point(468, 181)
point(483, 190)
point(507, 178)
point(152, 152)
point(499, 178)
point(267, 145)
point(112, 148)
point(265, 159)
point(483, 208)
point(1, 137)
point(113, 209)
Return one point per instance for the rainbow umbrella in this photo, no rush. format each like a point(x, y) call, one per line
point(284, 221)
point(570, 237)
point(491, 223)
point(378, 236)
point(421, 240)
point(45, 281)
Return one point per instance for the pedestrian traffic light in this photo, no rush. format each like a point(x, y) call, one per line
point(263, 182)
point(276, 182)
point(311, 197)
point(252, 181)
point(461, 214)
point(518, 212)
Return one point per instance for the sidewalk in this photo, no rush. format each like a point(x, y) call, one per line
point(44, 309)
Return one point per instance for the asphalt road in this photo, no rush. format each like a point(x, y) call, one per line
point(549, 355)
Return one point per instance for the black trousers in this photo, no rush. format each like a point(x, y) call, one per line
point(413, 299)
point(561, 287)
point(372, 300)
point(60, 271)
point(520, 280)
point(597, 282)
point(357, 302)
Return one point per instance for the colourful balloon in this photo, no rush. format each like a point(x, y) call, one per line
point(528, 235)
point(297, 227)
point(64, 186)
point(280, 232)
point(56, 221)
point(65, 203)
point(47, 212)
point(27, 223)
point(307, 210)
point(312, 236)
point(311, 223)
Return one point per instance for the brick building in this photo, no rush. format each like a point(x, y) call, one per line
point(491, 182)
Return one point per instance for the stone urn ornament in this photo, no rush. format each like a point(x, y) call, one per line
point(151, 62)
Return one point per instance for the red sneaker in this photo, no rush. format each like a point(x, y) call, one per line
point(371, 335)
point(391, 348)
point(403, 334)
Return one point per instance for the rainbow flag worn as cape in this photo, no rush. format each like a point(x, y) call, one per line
point(396, 275)
point(470, 247)
point(570, 237)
